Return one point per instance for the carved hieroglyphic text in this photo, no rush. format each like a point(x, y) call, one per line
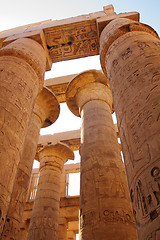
point(78, 40)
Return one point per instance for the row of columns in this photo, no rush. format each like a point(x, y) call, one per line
point(130, 58)
point(45, 112)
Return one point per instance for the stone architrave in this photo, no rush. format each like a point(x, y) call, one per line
point(46, 111)
point(105, 206)
point(22, 67)
point(45, 213)
point(130, 56)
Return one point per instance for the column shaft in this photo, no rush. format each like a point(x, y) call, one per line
point(18, 197)
point(42, 110)
point(132, 63)
point(44, 224)
point(105, 206)
point(45, 213)
point(22, 66)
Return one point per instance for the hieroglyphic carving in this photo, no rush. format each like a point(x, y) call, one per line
point(154, 235)
point(72, 41)
point(148, 47)
point(141, 116)
point(155, 173)
point(145, 50)
point(139, 125)
point(14, 115)
point(109, 185)
point(133, 65)
point(117, 215)
point(88, 218)
point(15, 212)
point(145, 195)
point(46, 227)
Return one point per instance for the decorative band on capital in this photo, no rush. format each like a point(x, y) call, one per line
point(31, 52)
point(78, 87)
point(55, 154)
point(56, 165)
point(116, 29)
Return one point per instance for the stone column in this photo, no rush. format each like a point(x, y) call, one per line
point(62, 229)
point(22, 67)
point(45, 213)
point(130, 55)
point(105, 207)
point(45, 112)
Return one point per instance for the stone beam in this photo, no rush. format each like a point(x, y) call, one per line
point(58, 86)
point(70, 38)
point(71, 138)
point(72, 168)
point(68, 206)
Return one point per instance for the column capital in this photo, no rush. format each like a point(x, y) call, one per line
point(31, 52)
point(87, 86)
point(47, 107)
point(116, 29)
point(55, 155)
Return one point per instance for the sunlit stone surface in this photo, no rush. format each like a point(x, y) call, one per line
point(105, 206)
point(130, 55)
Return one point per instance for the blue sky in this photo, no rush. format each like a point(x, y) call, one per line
point(16, 13)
